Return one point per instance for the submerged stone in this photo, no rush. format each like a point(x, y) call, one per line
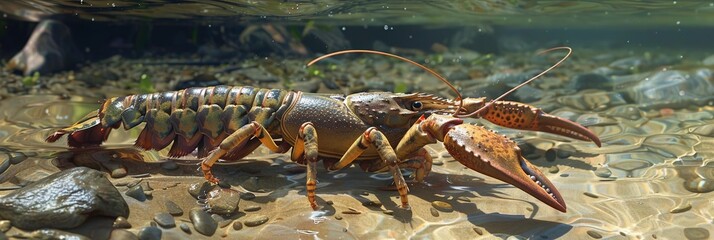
point(63, 200)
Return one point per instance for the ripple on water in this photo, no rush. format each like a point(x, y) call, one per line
point(676, 145)
point(632, 164)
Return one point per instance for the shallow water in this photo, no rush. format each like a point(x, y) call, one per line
point(640, 78)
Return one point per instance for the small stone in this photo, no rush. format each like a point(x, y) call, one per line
point(149, 194)
point(351, 211)
point(437, 163)
point(373, 203)
point(442, 206)
point(434, 212)
point(203, 222)
point(198, 189)
point(550, 155)
point(222, 222)
point(119, 172)
point(252, 208)
point(530, 209)
point(594, 234)
point(603, 172)
point(696, 233)
point(563, 154)
point(122, 234)
point(17, 157)
point(184, 227)
point(683, 208)
point(223, 200)
point(478, 231)
point(121, 222)
point(5, 225)
point(253, 221)
point(592, 195)
point(4, 162)
point(169, 165)
point(247, 196)
point(165, 220)
point(136, 192)
point(338, 216)
point(388, 212)
point(54, 234)
point(564, 175)
point(150, 233)
point(463, 199)
point(173, 208)
point(237, 225)
point(553, 169)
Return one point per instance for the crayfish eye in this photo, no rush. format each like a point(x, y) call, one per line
point(416, 105)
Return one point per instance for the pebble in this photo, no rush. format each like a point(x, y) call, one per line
point(479, 231)
point(203, 222)
point(17, 157)
point(553, 169)
point(184, 227)
point(5, 225)
point(563, 154)
point(165, 220)
point(442, 206)
point(252, 208)
point(237, 225)
point(136, 192)
point(119, 172)
point(338, 216)
point(550, 155)
point(351, 211)
point(388, 212)
point(150, 233)
point(122, 234)
point(594, 234)
point(223, 200)
point(169, 165)
point(173, 208)
point(372, 203)
point(437, 163)
point(4, 162)
point(247, 196)
point(592, 195)
point(696, 233)
point(121, 222)
point(434, 212)
point(198, 189)
point(257, 220)
point(603, 172)
point(682, 208)
point(463, 199)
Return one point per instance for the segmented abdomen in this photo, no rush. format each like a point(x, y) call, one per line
point(194, 117)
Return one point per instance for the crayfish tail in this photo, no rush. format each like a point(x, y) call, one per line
point(86, 132)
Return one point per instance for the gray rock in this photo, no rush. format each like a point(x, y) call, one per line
point(223, 200)
point(203, 222)
point(49, 49)
point(165, 220)
point(173, 208)
point(150, 233)
point(591, 81)
point(256, 220)
point(199, 189)
point(237, 225)
point(63, 200)
point(136, 192)
point(51, 234)
point(184, 227)
point(4, 162)
point(17, 157)
point(122, 234)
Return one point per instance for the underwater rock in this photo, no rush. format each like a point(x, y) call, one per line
point(671, 86)
point(122, 234)
point(173, 208)
point(203, 222)
point(150, 233)
point(55, 234)
point(591, 81)
point(49, 49)
point(165, 220)
point(257, 220)
point(442, 206)
point(63, 200)
point(200, 80)
point(222, 200)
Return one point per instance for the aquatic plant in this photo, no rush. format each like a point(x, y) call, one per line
point(145, 84)
point(29, 81)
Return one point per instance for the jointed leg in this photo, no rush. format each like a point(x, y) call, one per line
point(237, 138)
point(375, 138)
point(306, 145)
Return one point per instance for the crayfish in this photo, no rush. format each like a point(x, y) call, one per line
point(226, 122)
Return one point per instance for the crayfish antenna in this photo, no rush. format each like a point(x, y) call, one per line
point(425, 68)
point(570, 50)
